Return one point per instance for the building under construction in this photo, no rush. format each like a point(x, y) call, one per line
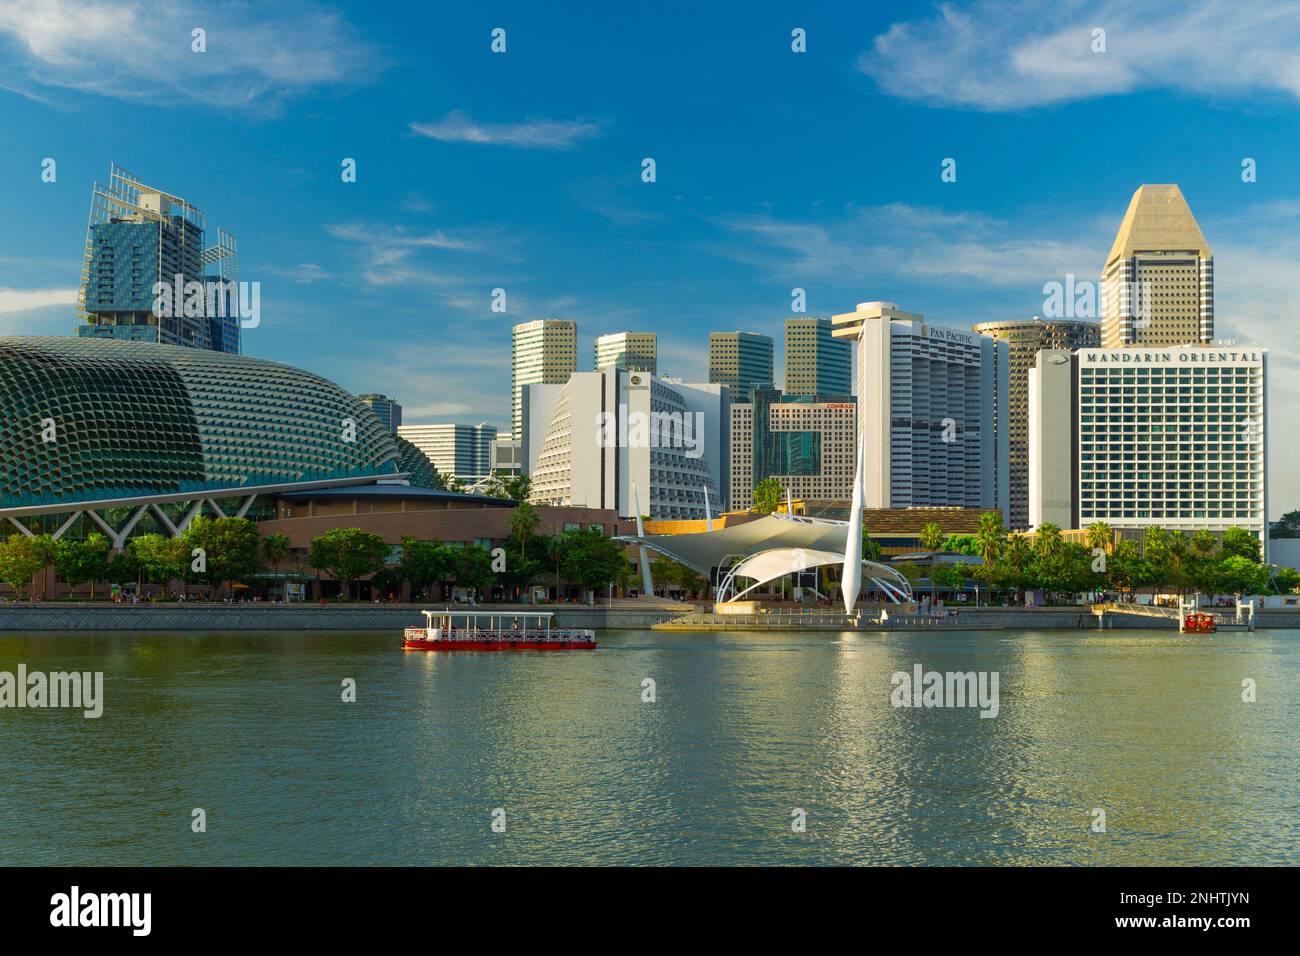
point(139, 237)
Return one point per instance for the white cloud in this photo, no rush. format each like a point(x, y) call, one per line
point(22, 300)
point(456, 127)
point(304, 273)
point(1013, 55)
point(902, 241)
point(140, 50)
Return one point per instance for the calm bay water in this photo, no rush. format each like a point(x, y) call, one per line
point(1149, 726)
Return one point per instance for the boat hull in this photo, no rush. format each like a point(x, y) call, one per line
point(502, 645)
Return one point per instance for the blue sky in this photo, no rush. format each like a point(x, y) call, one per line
point(775, 169)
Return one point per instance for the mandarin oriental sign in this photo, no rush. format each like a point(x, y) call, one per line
point(1182, 356)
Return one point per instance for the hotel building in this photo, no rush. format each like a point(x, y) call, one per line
point(139, 236)
point(1158, 280)
point(930, 404)
point(463, 451)
point(1173, 437)
point(806, 442)
point(635, 351)
point(546, 353)
point(1024, 339)
point(588, 442)
point(740, 360)
point(386, 409)
point(816, 363)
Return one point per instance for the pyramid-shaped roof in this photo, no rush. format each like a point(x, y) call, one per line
point(1158, 217)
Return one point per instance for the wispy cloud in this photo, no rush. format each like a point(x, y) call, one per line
point(1013, 55)
point(141, 50)
point(304, 273)
point(899, 240)
point(21, 300)
point(457, 127)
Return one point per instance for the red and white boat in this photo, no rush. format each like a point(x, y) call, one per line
point(449, 630)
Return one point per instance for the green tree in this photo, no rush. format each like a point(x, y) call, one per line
point(159, 558)
point(21, 559)
point(472, 566)
point(514, 487)
point(1125, 569)
point(275, 548)
point(1241, 543)
point(522, 523)
point(767, 496)
point(871, 550)
point(991, 536)
point(1239, 575)
point(81, 562)
point(1284, 581)
point(931, 536)
point(1203, 544)
point(1048, 541)
point(1100, 535)
point(593, 561)
point(425, 563)
point(229, 548)
point(347, 554)
point(967, 544)
point(1288, 526)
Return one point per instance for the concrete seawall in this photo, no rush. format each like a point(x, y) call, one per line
point(19, 618)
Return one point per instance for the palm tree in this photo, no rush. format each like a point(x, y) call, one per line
point(523, 522)
point(1100, 535)
point(1047, 543)
point(767, 496)
point(931, 536)
point(991, 536)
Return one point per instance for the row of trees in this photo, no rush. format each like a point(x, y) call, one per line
point(212, 551)
point(586, 558)
point(1167, 561)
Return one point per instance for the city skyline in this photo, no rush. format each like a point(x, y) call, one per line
point(543, 197)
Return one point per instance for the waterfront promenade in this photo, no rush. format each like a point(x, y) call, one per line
point(20, 617)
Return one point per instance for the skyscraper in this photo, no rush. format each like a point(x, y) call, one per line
point(740, 360)
point(1161, 437)
point(1025, 339)
point(1158, 280)
point(545, 353)
point(815, 361)
point(386, 409)
point(139, 240)
point(463, 451)
point(928, 400)
point(635, 351)
point(806, 442)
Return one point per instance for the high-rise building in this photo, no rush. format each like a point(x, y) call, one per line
point(387, 410)
point(816, 363)
point(740, 360)
point(1168, 437)
point(545, 353)
point(592, 441)
point(147, 275)
point(462, 451)
point(635, 351)
point(928, 410)
point(1051, 456)
point(1024, 339)
point(806, 442)
point(1158, 281)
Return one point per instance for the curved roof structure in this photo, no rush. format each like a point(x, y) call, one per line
point(706, 550)
point(776, 563)
point(85, 419)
